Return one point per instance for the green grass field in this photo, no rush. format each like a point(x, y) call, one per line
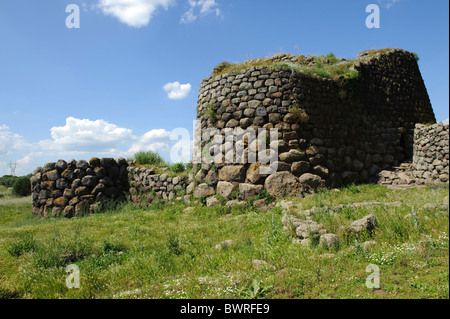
point(166, 252)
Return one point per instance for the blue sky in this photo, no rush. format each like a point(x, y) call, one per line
point(130, 74)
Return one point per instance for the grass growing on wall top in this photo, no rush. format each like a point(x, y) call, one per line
point(151, 159)
point(325, 66)
point(166, 252)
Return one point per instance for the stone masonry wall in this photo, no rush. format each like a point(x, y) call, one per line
point(431, 153)
point(147, 186)
point(74, 188)
point(331, 131)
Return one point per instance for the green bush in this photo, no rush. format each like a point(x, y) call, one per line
point(148, 158)
point(178, 168)
point(7, 180)
point(21, 186)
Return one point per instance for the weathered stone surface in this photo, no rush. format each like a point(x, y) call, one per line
point(69, 212)
point(225, 244)
point(311, 181)
point(366, 223)
point(330, 241)
point(292, 156)
point(203, 190)
point(190, 188)
point(212, 178)
point(308, 229)
point(257, 172)
point(282, 184)
point(260, 203)
point(225, 189)
point(299, 168)
point(82, 190)
point(52, 175)
point(89, 181)
point(235, 173)
point(235, 202)
point(248, 191)
point(61, 165)
point(60, 202)
point(212, 201)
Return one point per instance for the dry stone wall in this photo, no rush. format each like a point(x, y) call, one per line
point(430, 160)
point(431, 153)
point(330, 131)
point(74, 188)
point(147, 186)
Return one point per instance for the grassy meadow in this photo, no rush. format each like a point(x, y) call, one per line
point(168, 251)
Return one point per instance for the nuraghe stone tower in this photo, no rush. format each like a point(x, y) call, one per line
point(332, 129)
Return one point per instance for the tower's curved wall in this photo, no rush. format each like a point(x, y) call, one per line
point(343, 131)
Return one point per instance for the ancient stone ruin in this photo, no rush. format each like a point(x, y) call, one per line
point(283, 125)
point(331, 131)
point(74, 188)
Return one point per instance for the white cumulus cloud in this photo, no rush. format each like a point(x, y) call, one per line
point(86, 135)
point(200, 8)
point(177, 91)
point(135, 13)
point(10, 141)
point(388, 3)
point(154, 140)
point(83, 139)
point(445, 122)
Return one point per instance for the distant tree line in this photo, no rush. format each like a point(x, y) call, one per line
point(20, 185)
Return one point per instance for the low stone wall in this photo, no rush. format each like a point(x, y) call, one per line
point(147, 186)
point(74, 188)
point(430, 161)
point(431, 153)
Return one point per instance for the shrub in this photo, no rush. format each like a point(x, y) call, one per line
point(148, 158)
point(178, 168)
point(7, 180)
point(21, 186)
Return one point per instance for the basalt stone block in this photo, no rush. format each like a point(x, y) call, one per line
point(108, 162)
point(61, 165)
point(100, 172)
point(52, 175)
point(49, 167)
point(94, 162)
point(82, 165)
point(299, 168)
point(82, 190)
point(282, 184)
point(248, 191)
point(225, 189)
point(203, 190)
point(292, 156)
point(68, 174)
point(69, 212)
point(63, 183)
point(60, 202)
point(232, 173)
point(311, 181)
point(212, 178)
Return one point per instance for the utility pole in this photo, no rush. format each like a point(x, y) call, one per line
point(13, 166)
